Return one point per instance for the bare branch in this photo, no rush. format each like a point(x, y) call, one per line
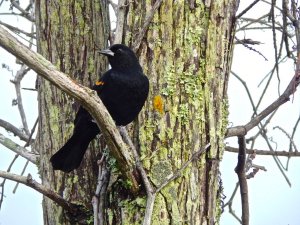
point(172, 177)
point(240, 170)
point(291, 88)
point(230, 201)
point(120, 21)
point(151, 194)
point(253, 21)
point(276, 55)
point(264, 152)
point(31, 133)
point(288, 136)
point(247, 9)
point(17, 30)
point(98, 200)
point(247, 42)
point(277, 161)
point(17, 82)
point(85, 96)
point(22, 173)
point(24, 13)
point(144, 28)
point(114, 6)
point(27, 144)
point(28, 181)
point(247, 90)
point(18, 149)
point(16, 131)
point(294, 130)
point(259, 168)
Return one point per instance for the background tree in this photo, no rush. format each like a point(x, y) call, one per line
point(185, 49)
point(69, 35)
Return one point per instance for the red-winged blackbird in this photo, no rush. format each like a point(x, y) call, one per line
point(123, 90)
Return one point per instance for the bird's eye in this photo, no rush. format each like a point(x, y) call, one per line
point(119, 51)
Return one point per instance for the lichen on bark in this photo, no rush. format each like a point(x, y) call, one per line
point(185, 54)
point(69, 34)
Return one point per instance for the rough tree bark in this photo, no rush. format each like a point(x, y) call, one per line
point(69, 33)
point(186, 53)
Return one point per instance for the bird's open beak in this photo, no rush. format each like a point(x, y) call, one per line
point(107, 52)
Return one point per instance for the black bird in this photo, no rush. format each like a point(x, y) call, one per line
point(123, 90)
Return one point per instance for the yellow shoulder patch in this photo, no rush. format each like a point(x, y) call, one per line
point(99, 83)
point(158, 103)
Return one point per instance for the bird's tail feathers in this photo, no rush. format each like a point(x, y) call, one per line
point(70, 155)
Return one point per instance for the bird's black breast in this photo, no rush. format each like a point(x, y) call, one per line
point(123, 95)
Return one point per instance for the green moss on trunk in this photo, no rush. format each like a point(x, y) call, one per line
point(186, 55)
point(68, 34)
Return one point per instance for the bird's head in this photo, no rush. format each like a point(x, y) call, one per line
point(121, 58)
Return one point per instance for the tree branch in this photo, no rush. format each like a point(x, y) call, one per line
point(172, 177)
point(17, 82)
point(264, 152)
point(247, 9)
point(120, 21)
point(291, 89)
point(17, 30)
point(230, 202)
point(98, 200)
point(145, 26)
point(24, 13)
point(85, 96)
point(240, 170)
point(28, 181)
point(16, 131)
point(18, 149)
point(151, 194)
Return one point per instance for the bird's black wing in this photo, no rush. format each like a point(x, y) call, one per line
point(99, 86)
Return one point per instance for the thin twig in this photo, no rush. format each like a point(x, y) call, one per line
point(291, 88)
point(28, 181)
point(246, 9)
point(294, 131)
point(8, 143)
point(17, 82)
point(277, 161)
point(253, 21)
point(22, 173)
point(247, 90)
point(288, 136)
point(26, 144)
point(149, 189)
point(16, 131)
point(240, 170)
point(4, 180)
point(24, 13)
point(31, 133)
point(98, 200)
point(120, 22)
point(144, 28)
point(272, 17)
point(114, 6)
point(173, 176)
point(17, 30)
point(264, 152)
point(230, 202)
point(247, 45)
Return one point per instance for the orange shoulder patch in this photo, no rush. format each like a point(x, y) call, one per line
point(158, 103)
point(99, 83)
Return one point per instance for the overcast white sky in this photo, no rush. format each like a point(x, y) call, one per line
point(272, 201)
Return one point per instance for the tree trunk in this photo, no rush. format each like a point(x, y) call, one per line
point(186, 53)
point(69, 34)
